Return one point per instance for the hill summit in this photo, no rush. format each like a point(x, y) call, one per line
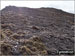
point(27, 31)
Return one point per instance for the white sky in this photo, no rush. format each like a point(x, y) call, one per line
point(67, 6)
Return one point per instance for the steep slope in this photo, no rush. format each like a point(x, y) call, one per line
point(48, 27)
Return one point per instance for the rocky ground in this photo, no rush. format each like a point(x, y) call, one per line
point(41, 31)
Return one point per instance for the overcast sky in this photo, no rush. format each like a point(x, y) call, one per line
point(67, 6)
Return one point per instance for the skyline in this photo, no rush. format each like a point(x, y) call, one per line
point(67, 6)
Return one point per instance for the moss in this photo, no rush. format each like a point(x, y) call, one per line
point(7, 25)
point(34, 49)
point(44, 52)
point(25, 50)
point(8, 32)
point(15, 36)
point(3, 35)
point(29, 42)
point(33, 46)
point(21, 33)
point(6, 49)
point(36, 38)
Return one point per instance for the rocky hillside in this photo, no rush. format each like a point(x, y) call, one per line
point(26, 31)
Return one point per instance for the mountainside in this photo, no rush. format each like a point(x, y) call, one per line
point(35, 31)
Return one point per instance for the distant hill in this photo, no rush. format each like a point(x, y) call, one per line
point(54, 28)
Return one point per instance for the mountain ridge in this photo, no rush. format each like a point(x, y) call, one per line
point(51, 28)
